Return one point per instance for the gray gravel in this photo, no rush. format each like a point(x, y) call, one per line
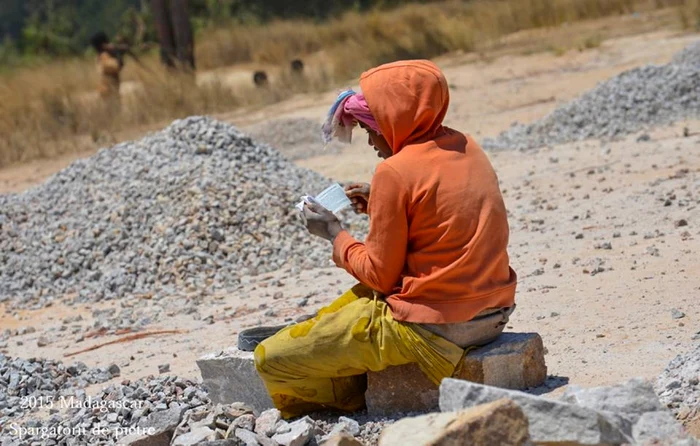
point(176, 408)
point(678, 386)
point(627, 103)
point(689, 55)
point(193, 207)
point(116, 411)
point(27, 385)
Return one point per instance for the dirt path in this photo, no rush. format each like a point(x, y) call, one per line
point(605, 313)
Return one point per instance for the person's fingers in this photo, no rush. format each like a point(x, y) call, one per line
point(357, 192)
point(309, 212)
point(317, 208)
point(353, 186)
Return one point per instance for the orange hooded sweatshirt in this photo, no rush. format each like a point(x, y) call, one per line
point(438, 233)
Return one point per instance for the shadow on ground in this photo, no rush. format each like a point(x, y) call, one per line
point(553, 382)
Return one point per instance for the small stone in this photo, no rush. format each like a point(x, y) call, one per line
point(245, 422)
point(163, 368)
point(247, 437)
point(501, 423)
point(346, 425)
point(677, 314)
point(43, 341)
point(301, 432)
point(194, 437)
point(341, 440)
point(282, 427)
point(680, 223)
point(579, 236)
point(267, 421)
point(114, 370)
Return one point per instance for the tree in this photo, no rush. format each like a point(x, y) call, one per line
point(174, 33)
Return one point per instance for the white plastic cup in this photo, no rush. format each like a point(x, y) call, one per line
point(333, 198)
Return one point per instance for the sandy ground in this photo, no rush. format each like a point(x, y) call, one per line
point(605, 314)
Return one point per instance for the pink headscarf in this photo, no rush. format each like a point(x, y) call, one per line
point(347, 110)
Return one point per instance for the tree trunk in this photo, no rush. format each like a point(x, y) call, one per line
point(165, 32)
point(184, 40)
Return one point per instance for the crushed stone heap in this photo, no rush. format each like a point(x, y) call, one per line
point(625, 104)
point(194, 206)
point(678, 385)
point(26, 384)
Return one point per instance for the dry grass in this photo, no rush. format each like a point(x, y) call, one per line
point(42, 117)
point(412, 31)
point(690, 14)
point(51, 108)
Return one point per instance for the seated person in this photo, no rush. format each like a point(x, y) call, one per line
point(434, 272)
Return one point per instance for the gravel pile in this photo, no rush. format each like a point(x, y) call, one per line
point(370, 427)
point(27, 385)
point(627, 103)
point(678, 386)
point(236, 421)
point(688, 56)
point(170, 410)
point(193, 207)
point(147, 406)
point(296, 138)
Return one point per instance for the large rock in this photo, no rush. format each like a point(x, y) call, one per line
point(195, 436)
point(551, 421)
point(660, 428)
point(230, 376)
point(342, 439)
point(157, 439)
point(513, 361)
point(160, 427)
point(636, 408)
point(500, 423)
point(631, 399)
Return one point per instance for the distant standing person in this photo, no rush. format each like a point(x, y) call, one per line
point(110, 63)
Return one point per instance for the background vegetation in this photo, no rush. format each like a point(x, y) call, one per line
point(47, 100)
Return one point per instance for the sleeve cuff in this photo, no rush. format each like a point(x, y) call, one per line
point(340, 245)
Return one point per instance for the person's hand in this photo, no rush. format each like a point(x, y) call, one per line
point(358, 193)
point(321, 222)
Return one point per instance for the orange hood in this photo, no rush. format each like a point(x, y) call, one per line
point(409, 100)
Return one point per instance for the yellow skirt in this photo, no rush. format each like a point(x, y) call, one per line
point(322, 363)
